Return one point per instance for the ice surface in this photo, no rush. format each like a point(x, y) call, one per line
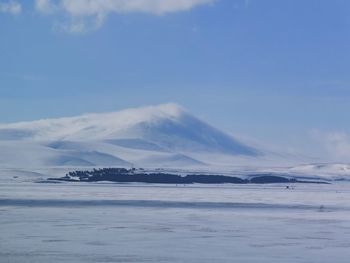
point(107, 222)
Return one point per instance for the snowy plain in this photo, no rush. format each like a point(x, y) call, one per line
point(108, 222)
point(43, 221)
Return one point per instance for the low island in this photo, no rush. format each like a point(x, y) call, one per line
point(123, 175)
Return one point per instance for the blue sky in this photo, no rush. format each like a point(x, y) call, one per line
point(273, 70)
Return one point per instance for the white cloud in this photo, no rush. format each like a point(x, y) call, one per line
point(10, 7)
point(45, 6)
point(90, 14)
point(100, 7)
point(336, 144)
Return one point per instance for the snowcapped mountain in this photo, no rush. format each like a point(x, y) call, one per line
point(164, 135)
point(163, 127)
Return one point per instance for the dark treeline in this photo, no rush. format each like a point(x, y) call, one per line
point(123, 175)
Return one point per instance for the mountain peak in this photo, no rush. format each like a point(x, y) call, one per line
point(171, 109)
point(162, 132)
point(90, 125)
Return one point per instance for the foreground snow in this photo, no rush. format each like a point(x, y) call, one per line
point(108, 222)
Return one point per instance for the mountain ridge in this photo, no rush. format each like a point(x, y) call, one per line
point(165, 135)
point(167, 126)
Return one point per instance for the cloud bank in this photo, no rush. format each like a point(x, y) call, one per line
point(336, 144)
point(85, 15)
point(10, 7)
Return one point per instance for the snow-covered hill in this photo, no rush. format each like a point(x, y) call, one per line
point(164, 135)
point(334, 171)
point(163, 127)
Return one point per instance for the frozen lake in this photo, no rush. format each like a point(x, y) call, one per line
point(105, 222)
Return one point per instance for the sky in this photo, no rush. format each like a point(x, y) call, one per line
point(267, 70)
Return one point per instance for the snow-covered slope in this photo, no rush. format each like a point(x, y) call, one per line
point(165, 126)
point(336, 171)
point(164, 135)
